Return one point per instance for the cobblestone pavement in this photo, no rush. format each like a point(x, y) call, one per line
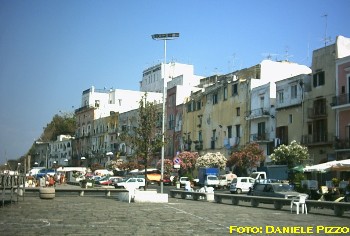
point(99, 215)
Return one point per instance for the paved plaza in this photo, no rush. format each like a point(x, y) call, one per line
point(70, 214)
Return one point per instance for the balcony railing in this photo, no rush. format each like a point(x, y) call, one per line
point(313, 113)
point(260, 137)
point(341, 100)
point(317, 138)
point(342, 144)
point(257, 113)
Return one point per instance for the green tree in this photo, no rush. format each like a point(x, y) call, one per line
point(145, 139)
point(59, 125)
point(290, 155)
point(248, 157)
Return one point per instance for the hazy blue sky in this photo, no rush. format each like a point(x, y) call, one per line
point(50, 51)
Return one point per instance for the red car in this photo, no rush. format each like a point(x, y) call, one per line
point(167, 181)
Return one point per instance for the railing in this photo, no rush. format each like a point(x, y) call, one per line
point(342, 144)
point(317, 138)
point(257, 113)
point(341, 100)
point(260, 137)
point(319, 112)
point(11, 184)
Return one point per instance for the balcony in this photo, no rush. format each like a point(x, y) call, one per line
point(340, 144)
point(343, 99)
point(198, 145)
point(258, 113)
point(260, 137)
point(317, 139)
point(316, 112)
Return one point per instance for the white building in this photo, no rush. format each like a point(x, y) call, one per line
point(176, 74)
point(272, 71)
point(118, 100)
point(262, 114)
point(60, 151)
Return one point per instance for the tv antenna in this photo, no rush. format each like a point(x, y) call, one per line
point(326, 38)
point(287, 55)
point(269, 56)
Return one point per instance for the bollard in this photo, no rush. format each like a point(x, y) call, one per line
point(47, 193)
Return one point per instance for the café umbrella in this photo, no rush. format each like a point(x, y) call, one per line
point(323, 167)
point(342, 165)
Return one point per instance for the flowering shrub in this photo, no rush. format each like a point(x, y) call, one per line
point(188, 160)
point(168, 165)
point(248, 157)
point(212, 160)
point(290, 155)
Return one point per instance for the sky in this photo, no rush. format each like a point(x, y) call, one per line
point(51, 51)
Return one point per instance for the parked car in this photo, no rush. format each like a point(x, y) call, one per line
point(167, 181)
point(280, 190)
point(131, 183)
point(273, 190)
point(107, 180)
point(241, 185)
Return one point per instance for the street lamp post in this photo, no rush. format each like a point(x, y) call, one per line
point(82, 160)
point(164, 37)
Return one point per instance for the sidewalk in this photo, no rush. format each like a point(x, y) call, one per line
point(98, 215)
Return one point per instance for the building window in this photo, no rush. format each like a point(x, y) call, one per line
point(262, 101)
point(261, 131)
point(238, 111)
point(293, 91)
point(229, 131)
point(234, 89)
point(199, 105)
point(189, 107)
point(200, 138)
point(319, 79)
point(97, 103)
point(171, 121)
point(225, 93)
point(290, 118)
point(238, 130)
point(215, 98)
point(280, 97)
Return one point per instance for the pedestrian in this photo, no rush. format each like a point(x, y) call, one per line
point(62, 179)
point(57, 178)
point(188, 186)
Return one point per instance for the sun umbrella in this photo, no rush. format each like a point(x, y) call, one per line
point(342, 165)
point(298, 168)
point(323, 167)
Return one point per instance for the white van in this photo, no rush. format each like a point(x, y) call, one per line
point(241, 184)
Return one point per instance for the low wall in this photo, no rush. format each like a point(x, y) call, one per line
point(149, 196)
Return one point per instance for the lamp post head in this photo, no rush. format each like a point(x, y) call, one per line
point(167, 36)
